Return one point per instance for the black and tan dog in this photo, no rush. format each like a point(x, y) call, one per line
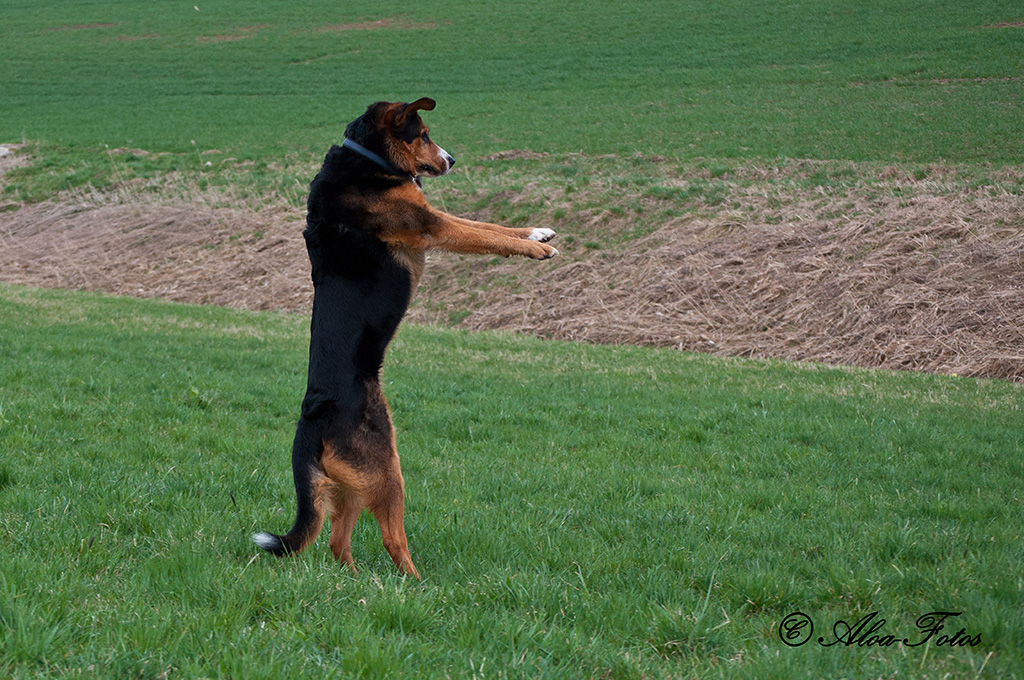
point(367, 230)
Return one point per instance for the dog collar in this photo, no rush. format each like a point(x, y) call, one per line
point(379, 160)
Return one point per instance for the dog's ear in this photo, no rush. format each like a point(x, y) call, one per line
point(421, 104)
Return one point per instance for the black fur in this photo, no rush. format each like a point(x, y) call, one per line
point(367, 231)
point(360, 296)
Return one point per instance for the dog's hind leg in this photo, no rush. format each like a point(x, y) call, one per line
point(345, 509)
point(389, 508)
point(309, 480)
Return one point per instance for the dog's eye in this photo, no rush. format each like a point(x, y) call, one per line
point(425, 137)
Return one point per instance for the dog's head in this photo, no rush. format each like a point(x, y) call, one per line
point(395, 131)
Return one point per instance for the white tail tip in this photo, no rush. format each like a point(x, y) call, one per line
point(266, 541)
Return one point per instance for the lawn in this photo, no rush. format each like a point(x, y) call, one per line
point(576, 511)
point(865, 81)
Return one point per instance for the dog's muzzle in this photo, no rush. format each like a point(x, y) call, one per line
point(448, 159)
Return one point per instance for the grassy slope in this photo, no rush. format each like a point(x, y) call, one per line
point(575, 510)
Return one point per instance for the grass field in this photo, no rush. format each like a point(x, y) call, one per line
point(576, 511)
point(265, 82)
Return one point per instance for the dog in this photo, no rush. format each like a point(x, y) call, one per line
point(368, 228)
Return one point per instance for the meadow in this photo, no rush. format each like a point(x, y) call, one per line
point(275, 83)
point(577, 511)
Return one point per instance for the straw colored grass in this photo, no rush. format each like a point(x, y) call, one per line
point(932, 284)
point(896, 273)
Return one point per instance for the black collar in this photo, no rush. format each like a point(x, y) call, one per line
point(379, 160)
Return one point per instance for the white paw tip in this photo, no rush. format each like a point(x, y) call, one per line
point(541, 234)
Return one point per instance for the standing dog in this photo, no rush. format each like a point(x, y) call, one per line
point(367, 231)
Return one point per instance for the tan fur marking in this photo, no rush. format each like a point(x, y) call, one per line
point(381, 488)
point(345, 478)
point(412, 259)
point(412, 224)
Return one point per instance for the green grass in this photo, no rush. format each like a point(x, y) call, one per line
point(576, 511)
point(868, 81)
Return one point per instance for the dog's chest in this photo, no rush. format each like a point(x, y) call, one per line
point(411, 260)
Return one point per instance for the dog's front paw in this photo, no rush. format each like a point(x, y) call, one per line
point(541, 251)
point(542, 235)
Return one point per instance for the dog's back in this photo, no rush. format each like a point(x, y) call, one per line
point(360, 291)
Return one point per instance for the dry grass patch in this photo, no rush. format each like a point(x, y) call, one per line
point(395, 23)
point(189, 249)
point(241, 33)
point(931, 285)
point(896, 268)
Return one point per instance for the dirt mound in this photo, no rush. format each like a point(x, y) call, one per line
point(926, 280)
point(930, 285)
point(190, 253)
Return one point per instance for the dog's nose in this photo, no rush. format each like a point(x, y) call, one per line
point(451, 161)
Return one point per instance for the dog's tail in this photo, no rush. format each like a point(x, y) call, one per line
point(309, 517)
